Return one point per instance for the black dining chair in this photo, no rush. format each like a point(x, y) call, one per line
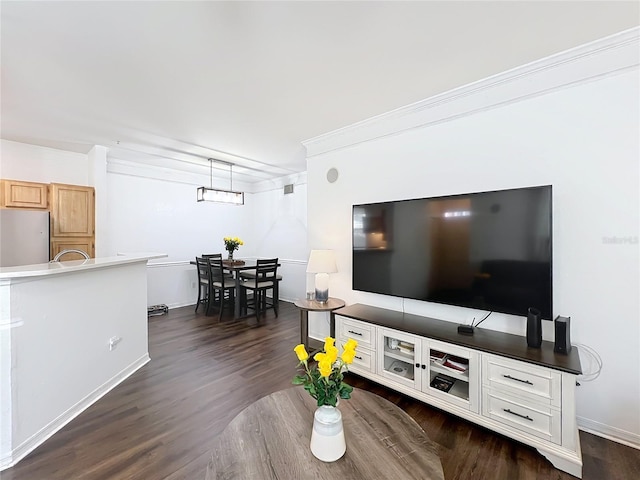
point(221, 287)
point(203, 282)
point(265, 279)
point(251, 274)
point(218, 256)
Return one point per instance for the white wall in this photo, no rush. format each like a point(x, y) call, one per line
point(162, 215)
point(146, 214)
point(20, 161)
point(581, 138)
point(280, 230)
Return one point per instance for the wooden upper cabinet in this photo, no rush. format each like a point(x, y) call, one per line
point(72, 210)
point(17, 194)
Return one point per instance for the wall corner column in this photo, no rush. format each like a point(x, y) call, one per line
point(98, 180)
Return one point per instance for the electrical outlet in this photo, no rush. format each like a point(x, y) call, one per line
point(193, 284)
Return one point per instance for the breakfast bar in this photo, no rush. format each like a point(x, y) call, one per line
point(69, 333)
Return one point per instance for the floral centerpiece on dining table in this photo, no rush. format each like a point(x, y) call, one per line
point(324, 380)
point(231, 244)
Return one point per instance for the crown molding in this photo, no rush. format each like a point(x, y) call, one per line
point(604, 57)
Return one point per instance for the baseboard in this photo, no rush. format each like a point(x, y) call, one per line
point(46, 432)
point(192, 304)
point(610, 433)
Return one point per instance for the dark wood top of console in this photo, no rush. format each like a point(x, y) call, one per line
point(504, 344)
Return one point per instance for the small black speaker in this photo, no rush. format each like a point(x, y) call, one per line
point(534, 328)
point(563, 342)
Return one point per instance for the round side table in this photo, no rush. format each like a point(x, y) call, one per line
point(307, 306)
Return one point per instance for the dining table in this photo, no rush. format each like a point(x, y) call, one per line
point(236, 267)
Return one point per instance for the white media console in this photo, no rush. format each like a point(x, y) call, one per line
point(490, 378)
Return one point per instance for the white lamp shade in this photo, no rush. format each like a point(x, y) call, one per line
point(322, 261)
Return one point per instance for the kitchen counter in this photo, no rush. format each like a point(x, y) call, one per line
point(69, 332)
point(55, 268)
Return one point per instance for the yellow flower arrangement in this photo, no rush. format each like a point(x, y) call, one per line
point(324, 382)
point(231, 244)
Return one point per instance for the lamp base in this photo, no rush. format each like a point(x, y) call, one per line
point(322, 296)
point(322, 287)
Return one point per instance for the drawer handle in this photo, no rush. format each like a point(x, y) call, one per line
point(526, 417)
point(355, 333)
point(517, 379)
point(359, 358)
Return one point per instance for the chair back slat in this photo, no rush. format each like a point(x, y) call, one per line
point(216, 269)
point(266, 270)
point(203, 268)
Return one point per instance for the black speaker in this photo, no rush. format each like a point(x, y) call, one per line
point(534, 328)
point(563, 342)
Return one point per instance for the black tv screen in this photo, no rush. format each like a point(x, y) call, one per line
point(489, 251)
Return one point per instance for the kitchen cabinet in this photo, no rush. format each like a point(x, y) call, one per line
point(19, 194)
point(72, 219)
point(72, 210)
point(86, 244)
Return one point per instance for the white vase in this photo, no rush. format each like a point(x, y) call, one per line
point(327, 437)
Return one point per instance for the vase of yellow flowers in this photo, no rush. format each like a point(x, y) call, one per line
point(231, 244)
point(325, 384)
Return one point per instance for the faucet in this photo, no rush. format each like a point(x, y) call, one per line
point(70, 250)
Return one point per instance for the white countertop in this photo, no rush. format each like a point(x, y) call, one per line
point(55, 268)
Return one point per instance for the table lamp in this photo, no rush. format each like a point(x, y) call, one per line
point(322, 263)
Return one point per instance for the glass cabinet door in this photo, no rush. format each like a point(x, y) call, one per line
point(398, 357)
point(451, 373)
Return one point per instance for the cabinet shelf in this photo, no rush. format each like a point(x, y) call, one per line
point(460, 390)
point(436, 367)
point(400, 368)
point(398, 355)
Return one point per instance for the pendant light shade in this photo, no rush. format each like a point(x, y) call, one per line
point(211, 194)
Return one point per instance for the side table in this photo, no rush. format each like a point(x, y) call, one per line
point(307, 306)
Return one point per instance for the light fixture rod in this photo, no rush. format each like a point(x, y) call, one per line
point(217, 195)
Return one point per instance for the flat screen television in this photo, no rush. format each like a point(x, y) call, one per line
point(490, 250)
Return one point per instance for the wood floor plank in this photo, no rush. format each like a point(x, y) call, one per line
point(161, 421)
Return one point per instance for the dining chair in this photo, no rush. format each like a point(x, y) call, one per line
point(266, 278)
point(251, 274)
point(227, 273)
point(203, 282)
point(221, 287)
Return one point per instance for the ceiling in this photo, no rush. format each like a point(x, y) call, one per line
point(176, 83)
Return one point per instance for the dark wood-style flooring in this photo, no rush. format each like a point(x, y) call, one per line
point(160, 422)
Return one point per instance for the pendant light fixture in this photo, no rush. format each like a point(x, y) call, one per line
point(216, 195)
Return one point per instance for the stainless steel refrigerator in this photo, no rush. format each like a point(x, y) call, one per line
point(24, 237)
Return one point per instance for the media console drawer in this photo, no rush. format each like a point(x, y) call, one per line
point(539, 420)
point(363, 360)
point(517, 378)
point(363, 333)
